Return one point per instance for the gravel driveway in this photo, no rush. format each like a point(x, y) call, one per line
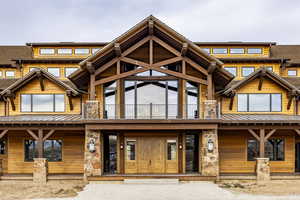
point(181, 191)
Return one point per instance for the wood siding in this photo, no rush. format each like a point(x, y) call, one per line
point(252, 87)
point(233, 152)
point(72, 153)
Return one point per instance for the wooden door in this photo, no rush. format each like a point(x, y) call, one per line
point(157, 156)
point(171, 155)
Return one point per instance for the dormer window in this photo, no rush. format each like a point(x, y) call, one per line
point(254, 50)
point(237, 50)
point(47, 51)
point(220, 50)
point(64, 51)
point(82, 51)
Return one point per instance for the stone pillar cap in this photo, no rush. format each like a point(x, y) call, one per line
point(39, 158)
point(262, 158)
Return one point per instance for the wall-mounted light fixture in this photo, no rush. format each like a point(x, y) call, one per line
point(210, 145)
point(91, 145)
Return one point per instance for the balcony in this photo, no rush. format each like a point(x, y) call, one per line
point(153, 111)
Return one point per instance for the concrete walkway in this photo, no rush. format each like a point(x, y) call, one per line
point(181, 191)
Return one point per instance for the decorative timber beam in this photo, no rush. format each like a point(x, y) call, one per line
point(117, 49)
point(70, 97)
point(166, 46)
point(195, 66)
point(90, 67)
point(184, 49)
point(11, 96)
point(261, 78)
point(3, 133)
point(291, 95)
point(167, 62)
point(262, 138)
point(151, 27)
point(297, 131)
point(48, 134)
point(41, 80)
point(232, 96)
point(134, 62)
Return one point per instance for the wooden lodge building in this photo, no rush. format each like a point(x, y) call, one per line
point(151, 103)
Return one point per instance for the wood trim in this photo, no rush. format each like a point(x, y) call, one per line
point(3, 133)
point(297, 131)
point(184, 49)
point(166, 62)
point(209, 87)
point(48, 134)
point(32, 134)
point(40, 143)
point(134, 62)
point(196, 66)
point(92, 87)
point(136, 45)
point(261, 80)
point(166, 46)
point(269, 135)
point(117, 49)
point(254, 134)
point(151, 27)
point(106, 66)
point(262, 143)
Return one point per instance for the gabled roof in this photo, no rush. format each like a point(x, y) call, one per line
point(165, 33)
point(291, 52)
point(232, 87)
point(37, 73)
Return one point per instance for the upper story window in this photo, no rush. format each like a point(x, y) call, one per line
point(69, 70)
point(94, 50)
point(64, 51)
point(42, 103)
point(292, 72)
point(232, 70)
point(82, 51)
point(220, 50)
point(47, 51)
point(1, 74)
point(246, 71)
point(54, 71)
point(254, 50)
point(10, 74)
point(237, 50)
point(269, 68)
point(207, 50)
point(259, 103)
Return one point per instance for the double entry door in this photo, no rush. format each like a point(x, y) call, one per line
point(151, 155)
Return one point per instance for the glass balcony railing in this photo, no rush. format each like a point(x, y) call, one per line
point(156, 111)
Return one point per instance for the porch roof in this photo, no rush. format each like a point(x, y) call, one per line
point(260, 118)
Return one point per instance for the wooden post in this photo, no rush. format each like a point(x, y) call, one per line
point(262, 143)
point(92, 87)
point(209, 87)
point(40, 143)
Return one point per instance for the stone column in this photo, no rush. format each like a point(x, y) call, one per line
point(91, 109)
point(92, 154)
point(210, 109)
point(210, 157)
point(262, 170)
point(40, 170)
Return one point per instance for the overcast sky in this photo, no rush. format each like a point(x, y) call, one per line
point(24, 21)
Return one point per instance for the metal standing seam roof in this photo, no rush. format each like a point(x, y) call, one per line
point(259, 118)
point(41, 118)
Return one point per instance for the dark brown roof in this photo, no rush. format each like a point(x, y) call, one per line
point(293, 80)
point(259, 118)
point(291, 52)
point(236, 43)
point(9, 53)
point(41, 118)
point(230, 89)
point(4, 83)
point(67, 43)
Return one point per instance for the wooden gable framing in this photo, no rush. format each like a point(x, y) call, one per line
point(149, 32)
point(40, 74)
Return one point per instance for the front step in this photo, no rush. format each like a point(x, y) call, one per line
point(152, 181)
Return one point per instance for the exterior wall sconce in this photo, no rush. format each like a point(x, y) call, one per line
point(210, 145)
point(180, 146)
point(91, 145)
point(121, 146)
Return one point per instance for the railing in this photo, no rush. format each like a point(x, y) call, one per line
point(156, 111)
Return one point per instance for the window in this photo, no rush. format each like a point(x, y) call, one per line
point(130, 149)
point(274, 149)
point(269, 68)
point(54, 71)
point(220, 51)
point(252, 149)
point(52, 150)
point(42, 103)
point(292, 72)
point(69, 70)
point(30, 150)
point(47, 51)
point(237, 50)
point(82, 51)
point(2, 147)
point(207, 50)
point(254, 51)
point(232, 70)
point(246, 71)
point(192, 100)
point(10, 74)
point(32, 69)
point(64, 51)
point(171, 149)
point(259, 103)
point(0, 73)
point(94, 50)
